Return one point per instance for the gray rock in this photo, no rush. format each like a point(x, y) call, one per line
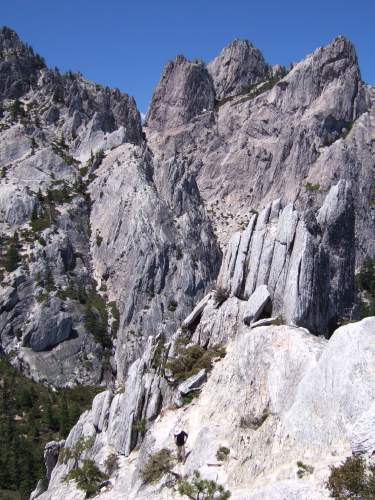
point(51, 455)
point(49, 327)
point(263, 322)
point(362, 434)
point(185, 90)
point(38, 490)
point(304, 262)
point(8, 298)
point(238, 65)
point(193, 382)
point(255, 304)
point(197, 311)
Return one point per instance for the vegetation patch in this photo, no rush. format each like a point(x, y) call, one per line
point(222, 453)
point(86, 474)
point(196, 488)
point(303, 469)
point(191, 360)
point(353, 479)
point(157, 465)
point(30, 416)
point(365, 283)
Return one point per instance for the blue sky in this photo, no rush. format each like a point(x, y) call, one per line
point(126, 44)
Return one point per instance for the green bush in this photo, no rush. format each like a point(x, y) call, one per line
point(88, 477)
point(76, 452)
point(196, 488)
point(191, 360)
point(140, 427)
point(365, 283)
point(222, 453)
point(189, 397)
point(353, 479)
point(111, 463)
point(12, 256)
point(96, 318)
point(157, 465)
point(116, 316)
point(312, 187)
point(304, 469)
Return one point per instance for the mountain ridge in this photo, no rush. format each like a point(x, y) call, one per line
point(238, 214)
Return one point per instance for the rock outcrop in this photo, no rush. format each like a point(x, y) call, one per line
point(263, 400)
point(77, 184)
point(185, 90)
point(291, 138)
point(303, 263)
point(111, 244)
point(238, 66)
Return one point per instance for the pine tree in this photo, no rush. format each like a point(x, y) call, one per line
point(12, 256)
point(64, 418)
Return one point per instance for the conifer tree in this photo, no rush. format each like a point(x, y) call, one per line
point(64, 418)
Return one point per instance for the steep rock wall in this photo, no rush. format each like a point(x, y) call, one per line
point(293, 141)
point(306, 261)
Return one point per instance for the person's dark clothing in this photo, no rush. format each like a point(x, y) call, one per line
point(181, 438)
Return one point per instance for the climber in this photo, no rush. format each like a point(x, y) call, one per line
point(180, 438)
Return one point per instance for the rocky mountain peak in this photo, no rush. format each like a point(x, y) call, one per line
point(112, 262)
point(18, 65)
point(238, 65)
point(185, 89)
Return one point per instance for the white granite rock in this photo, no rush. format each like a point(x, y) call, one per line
point(255, 304)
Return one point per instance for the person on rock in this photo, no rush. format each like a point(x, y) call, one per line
point(180, 438)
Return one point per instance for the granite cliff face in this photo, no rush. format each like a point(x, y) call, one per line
point(237, 215)
point(94, 230)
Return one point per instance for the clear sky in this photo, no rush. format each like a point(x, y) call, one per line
point(125, 44)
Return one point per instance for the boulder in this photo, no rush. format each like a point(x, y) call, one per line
point(51, 455)
point(255, 304)
point(197, 311)
point(49, 327)
point(193, 382)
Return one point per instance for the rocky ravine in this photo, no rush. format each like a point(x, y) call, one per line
point(109, 248)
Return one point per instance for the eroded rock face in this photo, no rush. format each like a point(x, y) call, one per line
point(77, 183)
point(305, 262)
point(18, 66)
point(284, 173)
point(238, 65)
point(293, 141)
point(184, 91)
point(49, 327)
point(262, 400)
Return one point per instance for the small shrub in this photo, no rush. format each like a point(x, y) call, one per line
point(140, 427)
point(76, 452)
point(312, 187)
point(172, 305)
point(222, 453)
point(116, 316)
point(88, 477)
point(365, 283)
point(188, 398)
point(111, 463)
point(157, 465)
point(12, 256)
point(352, 480)
point(160, 353)
point(191, 360)
point(304, 469)
point(178, 252)
point(197, 488)
point(220, 294)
